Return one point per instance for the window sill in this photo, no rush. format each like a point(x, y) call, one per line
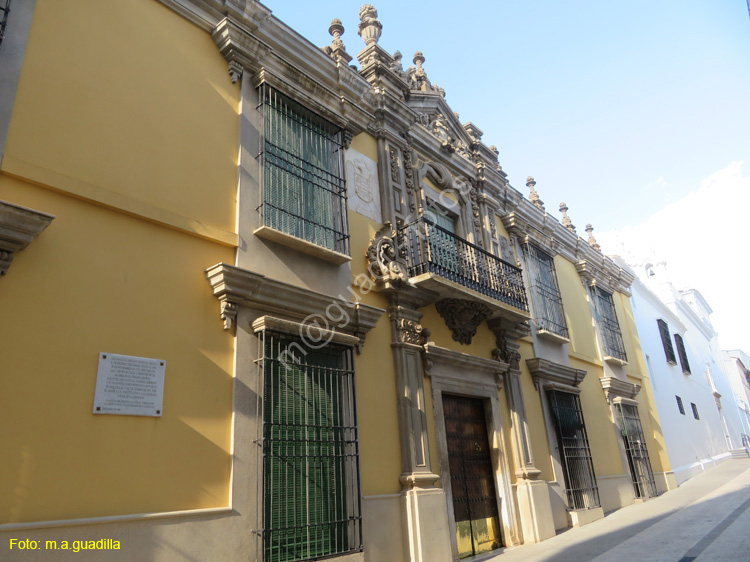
point(268, 233)
point(552, 336)
point(614, 360)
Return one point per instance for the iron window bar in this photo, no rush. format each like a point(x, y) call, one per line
point(666, 341)
point(312, 504)
point(5, 9)
point(430, 248)
point(545, 292)
point(304, 185)
point(604, 305)
point(680, 406)
point(695, 410)
point(631, 430)
point(682, 353)
point(575, 453)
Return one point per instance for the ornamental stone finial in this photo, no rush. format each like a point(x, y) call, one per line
point(533, 195)
point(592, 241)
point(369, 26)
point(566, 222)
point(337, 50)
point(417, 75)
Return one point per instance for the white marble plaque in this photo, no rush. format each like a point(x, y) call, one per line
point(131, 386)
point(362, 185)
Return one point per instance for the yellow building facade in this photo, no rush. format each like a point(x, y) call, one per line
point(373, 348)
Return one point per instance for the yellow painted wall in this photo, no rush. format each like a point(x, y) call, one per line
point(125, 127)
point(577, 311)
point(367, 145)
point(100, 281)
point(602, 433)
point(128, 104)
point(376, 379)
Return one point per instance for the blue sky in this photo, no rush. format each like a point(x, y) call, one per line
point(616, 108)
point(636, 114)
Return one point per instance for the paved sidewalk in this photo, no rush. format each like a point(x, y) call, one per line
point(706, 519)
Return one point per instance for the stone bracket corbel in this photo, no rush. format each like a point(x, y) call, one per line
point(19, 227)
point(616, 388)
point(229, 314)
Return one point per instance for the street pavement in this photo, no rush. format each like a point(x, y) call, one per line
point(706, 519)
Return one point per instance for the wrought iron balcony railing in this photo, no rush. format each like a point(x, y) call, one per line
point(432, 249)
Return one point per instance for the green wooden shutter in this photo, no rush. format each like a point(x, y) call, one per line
point(305, 477)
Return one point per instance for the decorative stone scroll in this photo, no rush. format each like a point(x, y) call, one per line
point(463, 317)
point(383, 256)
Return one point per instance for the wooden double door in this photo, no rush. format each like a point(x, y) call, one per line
point(472, 476)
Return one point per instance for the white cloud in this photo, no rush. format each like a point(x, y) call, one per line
point(703, 237)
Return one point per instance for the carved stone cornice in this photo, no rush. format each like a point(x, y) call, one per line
point(276, 55)
point(602, 272)
point(234, 287)
point(316, 333)
point(19, 226)
point(462, 365)
point(616, 388)
point(526, 222)
point(463, 317)
point(544, 371)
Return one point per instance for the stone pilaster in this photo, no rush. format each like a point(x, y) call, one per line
point(407, 340)
point(534, 507)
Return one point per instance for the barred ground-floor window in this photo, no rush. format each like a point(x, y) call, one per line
point(575, 453)
point(644, 485)
point(311, 481)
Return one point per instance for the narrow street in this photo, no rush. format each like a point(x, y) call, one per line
point(706, 519)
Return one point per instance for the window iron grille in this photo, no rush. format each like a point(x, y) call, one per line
point(604, 305)
point(639, 462)
point(4, 12)
point(680, 407)
point(545, 292)
point(695, 411)
point(312, 505)
point(575, 453)
point(682, 353)
point(430, 248)
point(666, 341)
point(304, 188)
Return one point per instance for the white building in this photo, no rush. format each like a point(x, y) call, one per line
point(737, 365)
point(694, 398)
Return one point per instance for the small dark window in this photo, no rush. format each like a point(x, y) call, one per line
point(680, 406)
point(695, 411)
point(682, 354)
point(666, 342)
point(4, 11)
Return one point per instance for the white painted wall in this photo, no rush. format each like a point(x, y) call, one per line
point(692, 445)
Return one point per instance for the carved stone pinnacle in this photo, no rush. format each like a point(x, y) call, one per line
point(592, 241)
point(337, 50)
point(566, 222)
point(369, 26)
point(533, 195)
